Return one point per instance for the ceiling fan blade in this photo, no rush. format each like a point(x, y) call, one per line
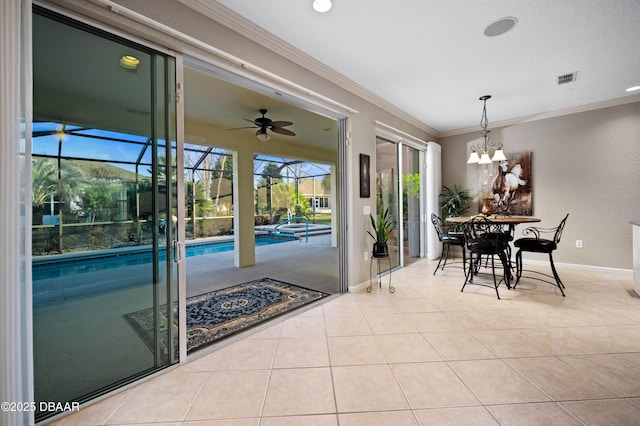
point(281, 123)
point(248, 127)
point(282, 131)
point(252, 121)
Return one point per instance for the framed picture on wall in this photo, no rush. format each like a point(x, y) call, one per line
point(509, 188)
point(365, 176)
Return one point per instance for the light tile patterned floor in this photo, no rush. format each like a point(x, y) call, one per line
point(426, 355)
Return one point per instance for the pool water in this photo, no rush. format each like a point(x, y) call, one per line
point(57, 269)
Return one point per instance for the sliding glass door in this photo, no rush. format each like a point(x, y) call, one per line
point(387, 187)
point(400, 187)
point(104, 211)
point(412, 205)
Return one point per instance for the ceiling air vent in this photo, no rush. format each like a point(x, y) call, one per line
point(567, 78)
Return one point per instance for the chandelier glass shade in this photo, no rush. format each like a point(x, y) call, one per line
point(480, 154)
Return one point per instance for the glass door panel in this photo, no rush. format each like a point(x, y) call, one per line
point(411, 203)
point(387, 194)
point(103, 201)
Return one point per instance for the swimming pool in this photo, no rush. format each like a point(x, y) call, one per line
point(44, 269)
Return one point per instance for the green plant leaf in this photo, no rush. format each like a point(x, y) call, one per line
point(382, 226)
point(455, 201)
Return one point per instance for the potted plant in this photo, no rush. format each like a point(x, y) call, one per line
point(382, 228)
point(455, 201)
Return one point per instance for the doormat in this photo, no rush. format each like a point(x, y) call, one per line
point(222, 313)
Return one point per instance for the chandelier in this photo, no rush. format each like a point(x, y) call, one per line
point(483, 156)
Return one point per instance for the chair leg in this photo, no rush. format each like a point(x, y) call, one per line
point(477, 264)
point(446, 256)
point(508, 256)
point(468, 277)
point(464, 260)
point(507, 269)
point(556, 276)
point(518, 267)
point(440, 260)
point(493, 272)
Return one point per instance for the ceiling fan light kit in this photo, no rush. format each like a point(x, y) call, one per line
point(262, 135)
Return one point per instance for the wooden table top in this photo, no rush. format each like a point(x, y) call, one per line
point(497, 219)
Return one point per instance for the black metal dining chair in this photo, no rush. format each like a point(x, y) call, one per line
point(537, 244)
point(448, 236)
point(486, 238)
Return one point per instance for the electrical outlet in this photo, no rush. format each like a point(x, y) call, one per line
point(578, 243)
point(366, 256)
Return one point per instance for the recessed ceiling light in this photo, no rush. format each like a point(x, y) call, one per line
point(129, 62)
point(500, 26)
point(321, 5)
point(634, 88)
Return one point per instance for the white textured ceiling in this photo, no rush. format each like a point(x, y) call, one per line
point(430, 58)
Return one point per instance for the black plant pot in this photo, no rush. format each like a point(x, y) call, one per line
point(380, 250)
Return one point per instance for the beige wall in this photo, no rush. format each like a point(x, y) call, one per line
point(584, 164)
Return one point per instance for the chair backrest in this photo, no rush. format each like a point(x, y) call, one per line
point(438, 224)
point(482, 228)
point(559, 229)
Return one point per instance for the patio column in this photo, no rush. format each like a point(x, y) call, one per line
point(243, 211)
point(334, 209)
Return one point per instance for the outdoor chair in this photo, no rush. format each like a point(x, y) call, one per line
point(483, 237)
point(448, 237)
point(536, 244)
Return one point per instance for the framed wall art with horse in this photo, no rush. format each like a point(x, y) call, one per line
point(511, 185)
point(509, 190)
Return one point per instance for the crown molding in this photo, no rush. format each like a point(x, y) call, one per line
point(230, 19)
point(558, 113)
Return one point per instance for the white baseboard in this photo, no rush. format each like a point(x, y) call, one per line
point(358, 287)
point(617, 271)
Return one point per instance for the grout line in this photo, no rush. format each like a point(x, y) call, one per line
point(197, 395)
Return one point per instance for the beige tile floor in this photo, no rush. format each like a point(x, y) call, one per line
point(426, 355)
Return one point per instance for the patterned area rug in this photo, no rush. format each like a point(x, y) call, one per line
point(218, 314)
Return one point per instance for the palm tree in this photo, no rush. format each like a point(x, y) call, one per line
point(44, 177)
point(44, 180)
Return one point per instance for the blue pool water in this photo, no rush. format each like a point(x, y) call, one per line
point(57, 269)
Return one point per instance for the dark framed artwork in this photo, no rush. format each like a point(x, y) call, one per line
point(365, 176)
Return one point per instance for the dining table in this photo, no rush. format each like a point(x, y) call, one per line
point(497, 218)
point(510, 220)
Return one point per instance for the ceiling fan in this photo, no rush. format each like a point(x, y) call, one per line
point(263, 124)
